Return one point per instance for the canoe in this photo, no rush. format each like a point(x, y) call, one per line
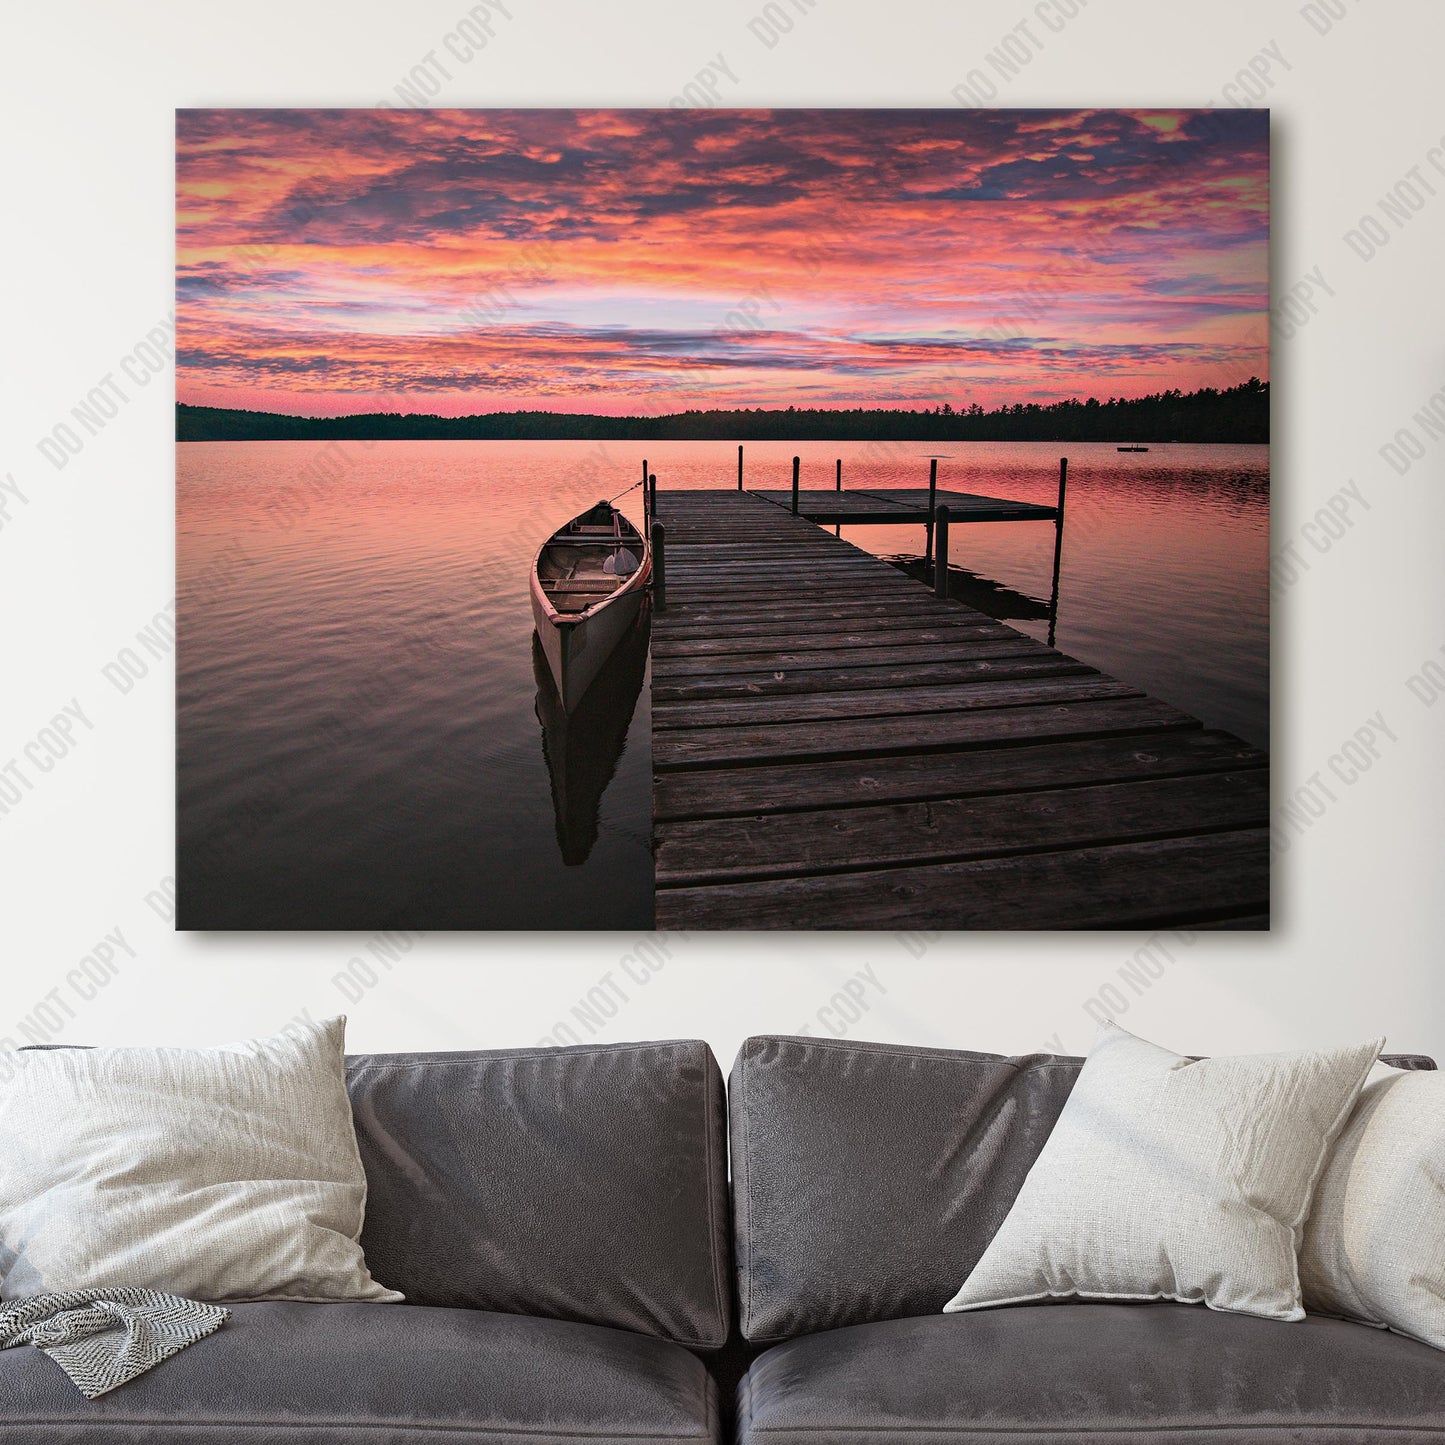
point(582, 748)
point(588, 582)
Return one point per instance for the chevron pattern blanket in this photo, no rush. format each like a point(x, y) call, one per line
point(103, 1337)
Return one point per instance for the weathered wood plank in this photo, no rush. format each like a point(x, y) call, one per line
point(745, 586)
point(901, 505)
point(980, 772)
point(860, 603)
point(879, 652)
point(728, 551)
point(744, 562)
point(836, 738)
point(686, 619)
point(821, 592)
point(726, 568)
point(756, 554)
point(785, 588)
point(948, 831)
point(814, 616)
point(695, 687)
point(745, 567)
point(910, 496)
point(879, 633)
point(903, 497)
point(908, 702)
point(1131, 885)
point(786, 585)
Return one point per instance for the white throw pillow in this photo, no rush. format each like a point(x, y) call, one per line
point(222, 1174)
point(1374, 1244)
point(1171, 1178)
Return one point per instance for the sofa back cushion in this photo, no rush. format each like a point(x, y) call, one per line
point(869, 1178)
point(576, 1183)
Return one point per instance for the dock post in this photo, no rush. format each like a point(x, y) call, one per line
point(795, 486)
point(940, 556)
point(651, 489)
point(838, 530)
point(1058, 547)
point(646, 500)
point(740, 467)
point(932, 494)
point(659, 567)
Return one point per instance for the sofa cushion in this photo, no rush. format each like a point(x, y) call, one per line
point(868, 1179)
point(580, 1183)
point(1099, 1374)
point(323, 1374)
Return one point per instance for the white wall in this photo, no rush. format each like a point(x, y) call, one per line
point(86, 559)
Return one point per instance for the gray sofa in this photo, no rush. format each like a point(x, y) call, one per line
point(867, 1181)
point(559, 1220)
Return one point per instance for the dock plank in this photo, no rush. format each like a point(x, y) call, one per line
point(882, 632)
point(788, 585)
point(900, 505)
point(861, 737)
point(900, 701)
point(684, 671)
point(1169, 882)
point(852, 782)
point(687, 617)
point(954, 829)
point(903, 672)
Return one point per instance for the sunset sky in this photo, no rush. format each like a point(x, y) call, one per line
point(638, 262)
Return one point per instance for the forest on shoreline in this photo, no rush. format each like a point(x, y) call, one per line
point(1234, 414)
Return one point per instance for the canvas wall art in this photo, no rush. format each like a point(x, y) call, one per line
point(708, 519)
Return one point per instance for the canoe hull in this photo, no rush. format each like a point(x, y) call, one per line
point(577, 643)
point(576, 650)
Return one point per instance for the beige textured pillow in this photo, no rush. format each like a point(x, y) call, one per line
point(222, 1174)
point(1167, 1178)
point(1374, 1244)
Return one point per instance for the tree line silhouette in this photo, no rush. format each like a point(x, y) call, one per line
point(1234, 414)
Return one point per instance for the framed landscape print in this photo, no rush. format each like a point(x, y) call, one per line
point(828, 519)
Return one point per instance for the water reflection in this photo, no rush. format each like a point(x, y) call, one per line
point(583, 748)
point(983, 594)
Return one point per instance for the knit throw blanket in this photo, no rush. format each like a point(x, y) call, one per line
point(103, 1337)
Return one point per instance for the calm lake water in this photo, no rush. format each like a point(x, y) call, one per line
point(360, 724)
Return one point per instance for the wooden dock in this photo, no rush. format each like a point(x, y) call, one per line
point(894, 506)
point(835, 747)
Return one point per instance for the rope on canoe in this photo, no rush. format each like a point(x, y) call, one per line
point(625, 491)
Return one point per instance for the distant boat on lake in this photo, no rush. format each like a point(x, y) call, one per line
point(1133, 449)
point(588, 581)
